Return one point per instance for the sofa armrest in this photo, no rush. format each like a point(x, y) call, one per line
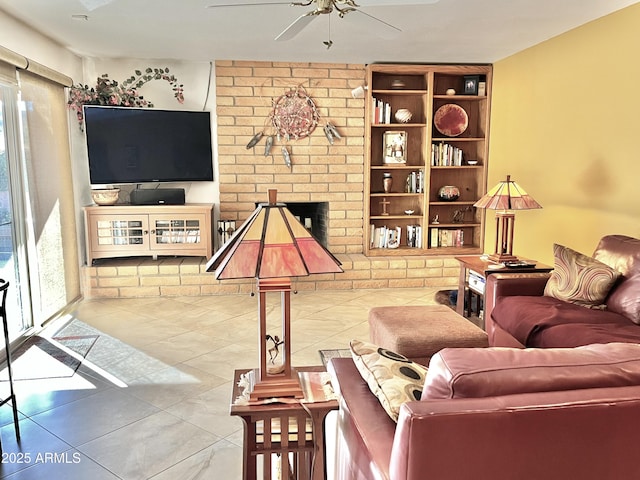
point(365, 431)
point(510, 284)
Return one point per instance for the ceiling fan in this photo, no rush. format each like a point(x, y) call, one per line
point(326, 7)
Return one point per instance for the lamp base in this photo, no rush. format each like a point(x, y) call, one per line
point(275, 386)
point(502, 257)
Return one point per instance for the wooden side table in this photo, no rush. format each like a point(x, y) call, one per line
point(485, 268)
point(283, 428)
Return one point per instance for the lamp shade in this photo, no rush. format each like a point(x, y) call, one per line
point(272, 243)
point(507, 195)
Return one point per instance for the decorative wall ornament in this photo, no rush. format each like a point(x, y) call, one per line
point(293, 116)
point(125, 94)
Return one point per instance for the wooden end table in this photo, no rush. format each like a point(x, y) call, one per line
point(283, 428)
point(485, 268)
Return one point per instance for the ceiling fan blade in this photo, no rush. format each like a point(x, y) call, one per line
point(296, 27)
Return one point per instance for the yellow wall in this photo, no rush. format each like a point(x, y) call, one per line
point(566, 126)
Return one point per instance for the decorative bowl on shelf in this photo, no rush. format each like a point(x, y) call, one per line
point(105, 196)
point(448, 193)
point(409, 212)
point(451, 120)
point(403, 115)
point(472, 162)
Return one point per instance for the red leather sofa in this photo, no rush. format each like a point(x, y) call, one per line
point(517, 314)
point(500, 414)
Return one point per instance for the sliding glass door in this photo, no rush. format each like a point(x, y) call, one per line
point(13, 261)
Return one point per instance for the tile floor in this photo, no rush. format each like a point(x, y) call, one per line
point(151, 399)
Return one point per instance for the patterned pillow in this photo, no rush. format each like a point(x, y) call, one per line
point(579, 279)
point(393, 378)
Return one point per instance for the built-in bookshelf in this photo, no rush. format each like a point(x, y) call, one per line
point(403, 144)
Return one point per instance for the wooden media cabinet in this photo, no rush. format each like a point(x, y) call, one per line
point(148, 230)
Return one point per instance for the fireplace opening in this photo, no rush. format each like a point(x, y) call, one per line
point(314, 216)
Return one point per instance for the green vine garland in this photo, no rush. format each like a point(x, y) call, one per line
point(125, 94)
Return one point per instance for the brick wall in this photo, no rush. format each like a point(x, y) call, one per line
point(187, 276)
point(321, 172)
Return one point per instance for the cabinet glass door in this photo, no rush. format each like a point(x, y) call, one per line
point(169, 231)
point(120, 232)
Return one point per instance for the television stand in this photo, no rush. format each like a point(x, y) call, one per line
point(148, 230)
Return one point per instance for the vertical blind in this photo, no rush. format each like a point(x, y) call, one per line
point(50, 194)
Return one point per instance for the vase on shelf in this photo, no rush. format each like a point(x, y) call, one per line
point(387, 182)
point(448, 193)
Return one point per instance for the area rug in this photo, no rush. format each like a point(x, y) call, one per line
point(446, 297)
point(40, 357)
point(326, 355)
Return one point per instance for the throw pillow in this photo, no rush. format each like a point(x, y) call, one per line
point(579, 279)
point(392, 378)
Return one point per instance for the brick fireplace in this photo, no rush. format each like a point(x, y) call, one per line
point(320, 172)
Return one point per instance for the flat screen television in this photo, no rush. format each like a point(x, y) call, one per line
point(138, 145)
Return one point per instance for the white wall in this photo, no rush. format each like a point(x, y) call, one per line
point(16, 36)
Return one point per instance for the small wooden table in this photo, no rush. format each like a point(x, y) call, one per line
point(485, 268)
point(303, 428)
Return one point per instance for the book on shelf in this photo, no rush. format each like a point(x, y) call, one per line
point(415, 182)
point(414, 236)
point(385, 237)
point(381, 112)
point(446, 237)
point(391, 237)
point(445, 155)
point(433, 237)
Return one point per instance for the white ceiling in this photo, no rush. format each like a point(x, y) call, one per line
point(453, 31)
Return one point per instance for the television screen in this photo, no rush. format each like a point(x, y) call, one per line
point(136, 145)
